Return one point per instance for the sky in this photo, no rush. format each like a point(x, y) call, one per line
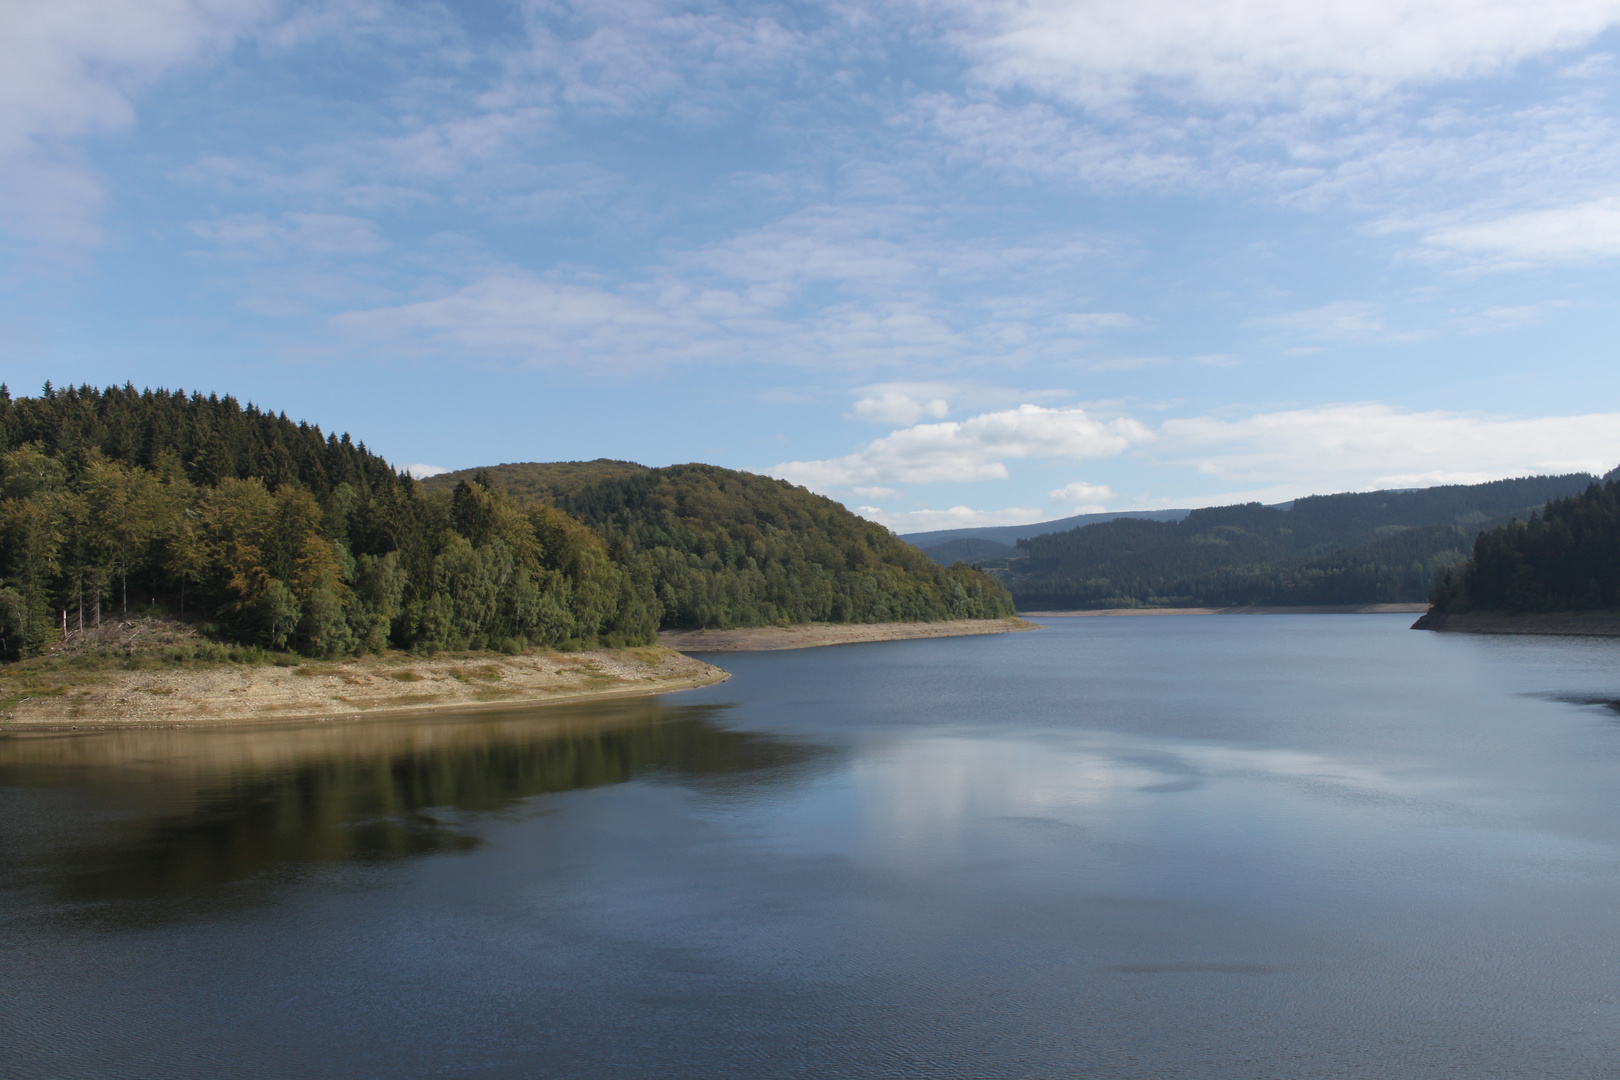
point(950, 262)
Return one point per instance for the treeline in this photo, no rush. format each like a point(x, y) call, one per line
point(725, 548)
point(289, 538)
point(1377, 547)
point(1564, 558)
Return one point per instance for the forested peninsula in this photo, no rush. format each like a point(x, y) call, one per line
point(1326, 550)
point(276, 538)
point(1556, 572)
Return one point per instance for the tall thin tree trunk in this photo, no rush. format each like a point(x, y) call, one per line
point(81, 603)
point(123, 576)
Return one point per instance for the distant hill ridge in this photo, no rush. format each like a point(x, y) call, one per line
point(1353, 548)
point(722, 548)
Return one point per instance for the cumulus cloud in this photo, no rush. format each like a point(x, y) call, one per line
point(1585, 231)
point(421, 472)
point(901, 403)
point(1276, 456)
point(972, 449)
point(957, 517)
point(1360, 447)
point(1084, 497)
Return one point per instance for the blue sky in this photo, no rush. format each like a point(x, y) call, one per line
point(949, 261)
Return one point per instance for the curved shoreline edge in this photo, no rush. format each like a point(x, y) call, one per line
point(1555, 624)
point(360, 689)
point(814, 635)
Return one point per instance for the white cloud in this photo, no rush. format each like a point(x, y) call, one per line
point(1100, 53)
point(972, 449)
point(957, 517)
point(901, 403)
point(68, 69)
point(1085, 498)
point(1581, 232)
point(421, 472)
point(1361, 447)
point(879, 492)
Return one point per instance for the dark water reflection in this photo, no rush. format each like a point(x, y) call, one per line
point(1177, 847)
point(217, 815)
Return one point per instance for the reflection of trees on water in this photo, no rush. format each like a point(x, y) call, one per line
point(390, 802)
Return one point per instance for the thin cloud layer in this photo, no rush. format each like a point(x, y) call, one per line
point(1360, 447)
point(1579, 233)
point(70, 69)
point(1332, 53)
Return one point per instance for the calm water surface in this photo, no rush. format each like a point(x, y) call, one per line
point(1279, 846)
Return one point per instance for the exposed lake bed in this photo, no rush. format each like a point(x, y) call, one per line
point(1295, 846)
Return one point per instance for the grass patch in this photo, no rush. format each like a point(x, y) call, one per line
point(405, 676)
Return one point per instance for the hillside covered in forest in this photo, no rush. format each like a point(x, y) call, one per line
point(282, 537)
point(727, 548)
point(1566, 558)
point(1374, 547)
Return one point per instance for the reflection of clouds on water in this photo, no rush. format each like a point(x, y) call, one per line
point(932, 800)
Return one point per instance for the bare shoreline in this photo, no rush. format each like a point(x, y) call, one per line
point(231, 695)
point(1324, 609)
point(812, 635)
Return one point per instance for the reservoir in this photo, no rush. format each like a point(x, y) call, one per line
point(1181, 846)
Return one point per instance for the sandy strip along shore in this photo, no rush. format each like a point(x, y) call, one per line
point(810, 635)
point(367, 686)
point(1329, 609)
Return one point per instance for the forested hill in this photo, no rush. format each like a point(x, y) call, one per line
point(1565, 558)
point(1375, 547)
point(281, 537)
point(727, 548)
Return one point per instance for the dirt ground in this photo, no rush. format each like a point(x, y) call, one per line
point(810, 635)
point(39, 697)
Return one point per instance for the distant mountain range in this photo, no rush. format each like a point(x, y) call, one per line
point(1370, 547)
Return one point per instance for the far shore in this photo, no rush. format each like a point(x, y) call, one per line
point(1322, 609)
point(1557, 623)
point(395, 684)
point(812, 635)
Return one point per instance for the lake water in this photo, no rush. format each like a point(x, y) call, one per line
point(1265, 846)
